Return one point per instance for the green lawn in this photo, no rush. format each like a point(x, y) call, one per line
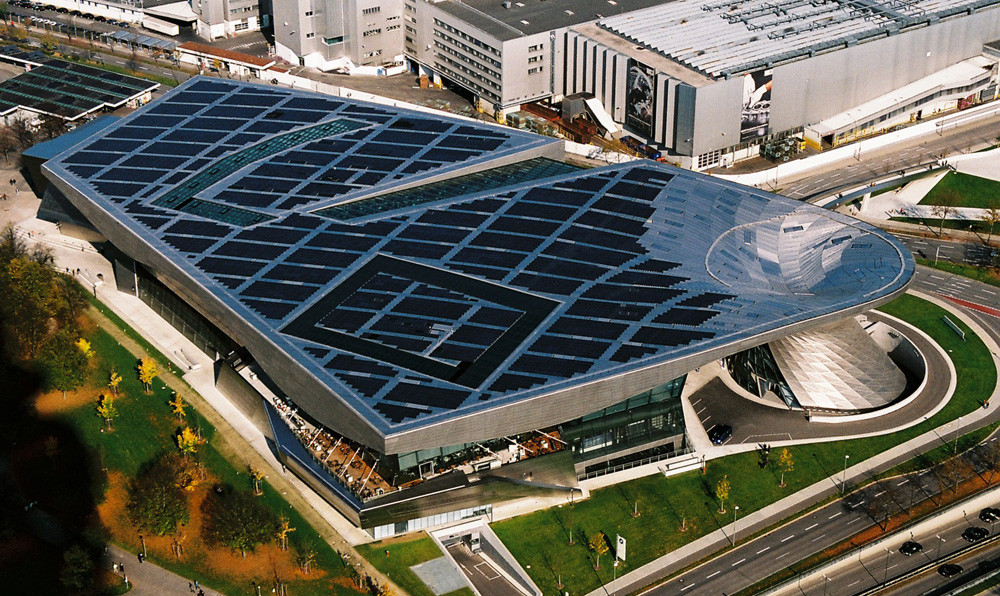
point(539, 540)
point(402, 556)
point(983, 274)
point(145, 428)
point(971, 191)
point(933, 225)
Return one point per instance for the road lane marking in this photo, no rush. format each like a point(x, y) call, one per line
point(835, 514)
point(711, 575)
point(818, 537)
point(738, 562)
point(687, 587)
point(789, 538)
point(766, 548)
point(811, 527)
point(781, 555)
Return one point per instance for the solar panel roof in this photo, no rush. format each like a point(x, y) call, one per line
point(66, 89)
point(428, 306)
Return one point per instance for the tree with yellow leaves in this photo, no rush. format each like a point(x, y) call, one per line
point(255, 477)
point(106, 409)
point(147, 372)
point(786, 463)
point(85, 348)
point(187, 441)
point(722, 492)
point(177, 406)
point(284, 529)
point(114, 379)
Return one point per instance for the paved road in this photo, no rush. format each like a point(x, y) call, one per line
point(878, 163)
point(482, 574)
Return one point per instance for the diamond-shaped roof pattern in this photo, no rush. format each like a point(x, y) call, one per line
point(415, 308)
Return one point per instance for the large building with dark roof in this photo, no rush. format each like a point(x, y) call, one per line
point(448, 300)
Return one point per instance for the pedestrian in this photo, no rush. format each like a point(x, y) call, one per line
point(121, 567)
point(190, 587)
point(114, 567)
point(13, 182)
point(140, 556)
point(196, 586)
point(201, 592)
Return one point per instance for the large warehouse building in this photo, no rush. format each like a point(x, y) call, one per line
point(710, 81)
point(428, 315)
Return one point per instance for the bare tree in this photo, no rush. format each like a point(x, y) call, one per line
point(991, 216)
point(945, 206)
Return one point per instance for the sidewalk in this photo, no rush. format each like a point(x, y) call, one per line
point(149, 579)
point(697, 550)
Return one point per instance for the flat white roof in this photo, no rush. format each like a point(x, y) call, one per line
point(736, 36)
point(962, 74)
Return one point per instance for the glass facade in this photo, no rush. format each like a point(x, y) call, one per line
point(756, 371)
point(192, 325)
point(379, 532)
point(637, 421)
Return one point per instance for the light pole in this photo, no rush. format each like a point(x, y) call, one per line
point(843, 484)
point(736, 510)
point(940, 542)
point(958, 431)
point(885, 577)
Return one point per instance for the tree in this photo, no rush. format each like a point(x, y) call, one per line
point(114, 379)
point(599, 544)
point(187, 441)
point(157, 503)
point(106, 409)
point(63, 364)
point(763, 455)
point(786, 463)
point(284, 529)
point(991, 216)
point(8, 142)
point(722, 492)
point(23, 132)
point(945, 206)
point(237, 520)
point(305, 556)
point(255, 477)
point(84, 346)
point(177, 406)
point(51, 126)
point(49, 44)
point(77, 574)
point(147, 372)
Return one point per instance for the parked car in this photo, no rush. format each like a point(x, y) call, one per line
point(989, 515)
point(950, 569)
point(975, 534)
point(910, 548)
point(720, 433)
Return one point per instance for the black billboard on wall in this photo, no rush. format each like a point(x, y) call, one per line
point(756, 114)
point(639, 99)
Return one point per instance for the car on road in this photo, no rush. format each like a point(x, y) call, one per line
point(950, 569)
point(975, 534)
point(720, 433)
point(911, 547)
point(989, 515)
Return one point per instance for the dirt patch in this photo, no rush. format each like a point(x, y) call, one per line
point(48, 404)
point(267, 559)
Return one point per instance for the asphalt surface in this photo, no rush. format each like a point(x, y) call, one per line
point(880, 162)
point(754, 422)
point(482, 574)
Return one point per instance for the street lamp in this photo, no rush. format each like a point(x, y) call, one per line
point(844, 483)
point(736, 510)
point(940, 542)
point(885, 577)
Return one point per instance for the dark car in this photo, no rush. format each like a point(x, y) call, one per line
point(911, 548)
point(989, 515)
point(975, 534)
point(720, 433)
point(950, 569)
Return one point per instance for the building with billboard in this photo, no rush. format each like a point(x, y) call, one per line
point(428, 315)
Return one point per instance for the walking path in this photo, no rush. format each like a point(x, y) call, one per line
point(149, 579)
